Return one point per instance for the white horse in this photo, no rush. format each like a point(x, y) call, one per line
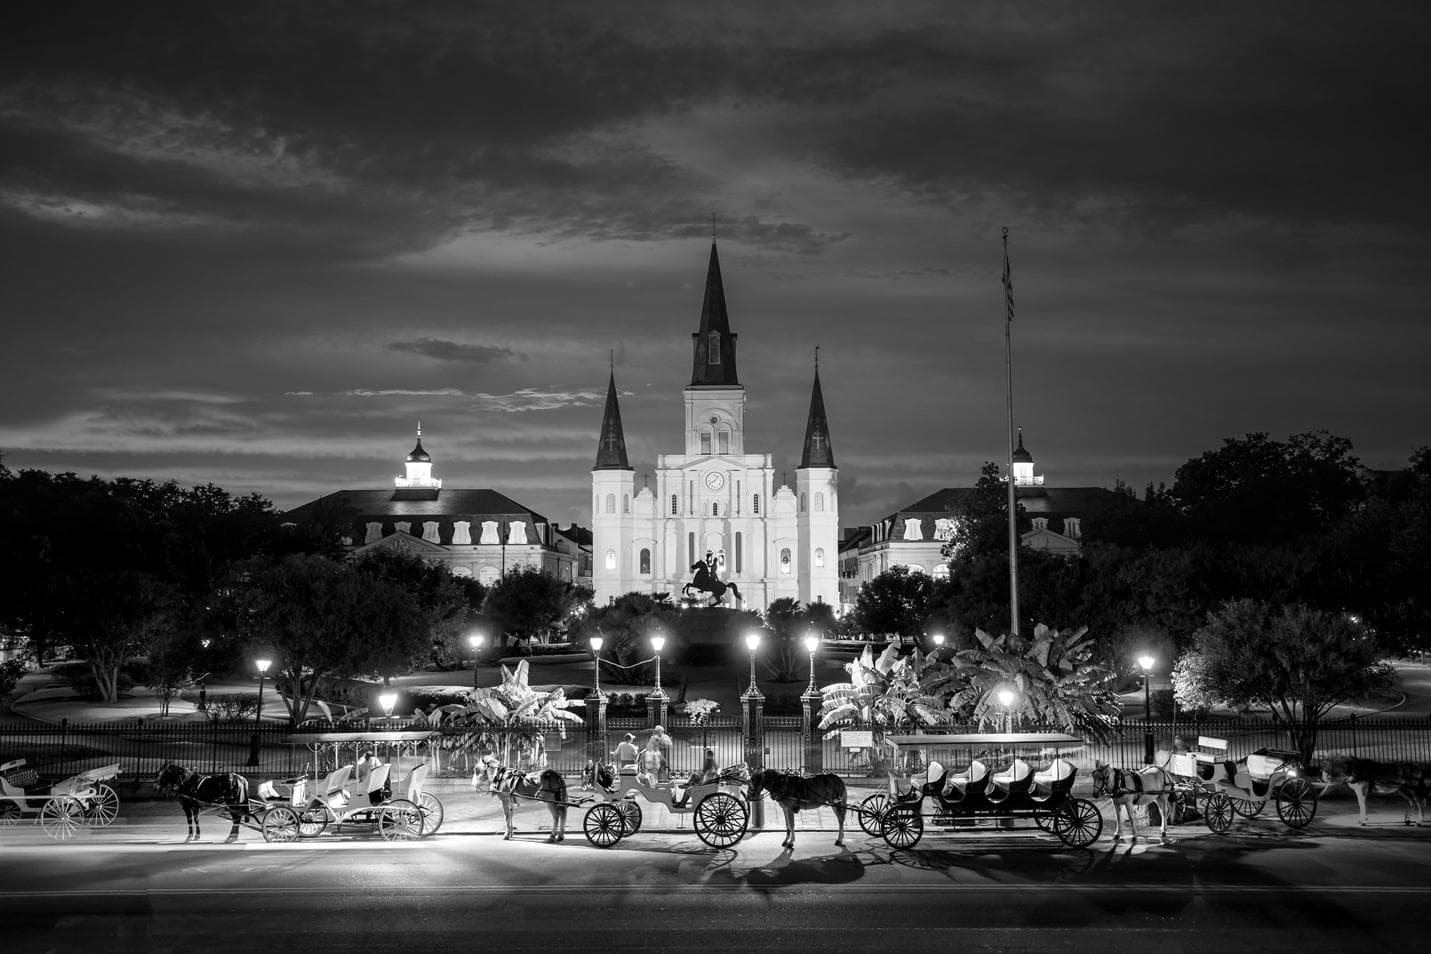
point(1127, 789)
point(511, 786)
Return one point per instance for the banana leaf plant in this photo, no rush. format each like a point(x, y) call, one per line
point(884, 695)
point(1057, 682)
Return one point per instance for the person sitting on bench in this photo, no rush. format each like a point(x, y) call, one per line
point(708, 772)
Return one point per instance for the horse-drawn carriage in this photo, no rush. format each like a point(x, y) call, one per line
point(717, 808)
point(996, 788)
point(1207, 782)
point(60, 808)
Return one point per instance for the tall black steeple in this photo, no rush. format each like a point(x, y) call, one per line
point(611, 449)
point(818, 452)
point(714, 345)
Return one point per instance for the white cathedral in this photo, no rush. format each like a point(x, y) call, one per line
point(771, 542)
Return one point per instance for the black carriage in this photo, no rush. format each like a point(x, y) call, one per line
point(994, 788)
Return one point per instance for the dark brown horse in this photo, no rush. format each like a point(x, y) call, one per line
point(511, 786)
point(796, 793)
point(196, 793)
point(1366, 777)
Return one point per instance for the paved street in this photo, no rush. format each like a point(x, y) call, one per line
point(1335, 887)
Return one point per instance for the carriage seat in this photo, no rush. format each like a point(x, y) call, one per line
point(1263, 767)
point(1059, 773)
point(331, 791)
point(972, 779)
point(376, 784)
point(1012, 778)
point(411, 787)
point(294, 792)
point(934, 779)
point(17, 778)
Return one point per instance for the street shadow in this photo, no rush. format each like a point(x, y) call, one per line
point(843, 867)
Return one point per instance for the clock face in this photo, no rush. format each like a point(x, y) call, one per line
point(715, 480)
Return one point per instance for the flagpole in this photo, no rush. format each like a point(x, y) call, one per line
point(1013, 506)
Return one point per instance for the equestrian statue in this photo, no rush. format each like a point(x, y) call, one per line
point(705, 581)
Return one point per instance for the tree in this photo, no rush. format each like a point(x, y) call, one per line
point(626, 625)
point(1297, 661)
point(1056, 678)
point(526, 603)
point(448, 603)
point(896, 603)
point(884, 694)
point(323, 619)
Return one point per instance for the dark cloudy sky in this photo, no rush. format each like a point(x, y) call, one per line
point(252, 243)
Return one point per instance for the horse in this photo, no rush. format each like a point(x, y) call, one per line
point(704, 581)
point(1365, 777)
point(510, 786)
point(197, 792)
point(1127, 788)
point(795, 793)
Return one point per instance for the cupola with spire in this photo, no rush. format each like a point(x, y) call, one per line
point(419, 467)
point(1023, 466)
point(611, 447)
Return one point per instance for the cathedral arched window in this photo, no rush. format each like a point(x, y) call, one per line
point(785, 560)
point(713, 348)
point(611, 559)
point(819, 503)
point(625, 503)
point(690, 549)
point(715, 510)
point(720, 563)
point(675, 505)
point(645, 561)
point(755, 505)
point(803, 501)
point(723, 441)
point(819, 556)
point(705, 441)
point(610, 503)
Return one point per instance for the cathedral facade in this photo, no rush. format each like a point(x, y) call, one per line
point(714, 498)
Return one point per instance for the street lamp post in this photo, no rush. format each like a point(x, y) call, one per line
point(812, 643)
point(387, 700)
point(1147, 663)
point(1006, 699)
point(475, 641)
point(752, 643)
point(938, 642)
point(596, 643)
point(203, 677)
point(658, 643)
point(262, 665)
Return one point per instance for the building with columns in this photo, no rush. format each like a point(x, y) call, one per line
point(714, 496)
point(480, 533)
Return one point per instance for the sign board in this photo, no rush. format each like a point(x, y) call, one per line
point(856, 738)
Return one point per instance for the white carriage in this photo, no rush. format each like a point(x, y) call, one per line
point(717, 808)
point(60, 808)
point(1221, 789)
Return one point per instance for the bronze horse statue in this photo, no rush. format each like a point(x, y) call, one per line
point(703, 580)
point(511, 786)
point(197, 792)
point(796, 793)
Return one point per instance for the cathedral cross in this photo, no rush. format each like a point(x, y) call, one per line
point(611, 438)
point(817, 439)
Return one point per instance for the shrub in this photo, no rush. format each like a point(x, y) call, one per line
point(10, 673)
point(232, 706)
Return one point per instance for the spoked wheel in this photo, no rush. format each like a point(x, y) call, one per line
point(62, 817)
point(603, 824)
point(280, 825)
point(1079, 823)
point(102, 808)
point(902, 826)
point(630, 815)
point(1217, 812)
point(1183, 808)
point(400, 820)
point(871, 813)
point(1246, 807)
point(1047, 820)
point(9, 814)
point(721, 819)
point(1296, 802)
point(312, 821)
point(432, 813)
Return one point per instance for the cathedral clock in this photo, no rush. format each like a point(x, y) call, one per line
point(715, 480)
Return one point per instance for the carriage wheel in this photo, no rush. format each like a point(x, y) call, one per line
point(1246, 807)
point(280, 824)
point(630, 815)
point(603, 824)
point(9, 814)
point(312, 821)
point(1079, 823)
point(1182, 806)
point(102, 808)
point(1047, 820)
point(432, 813)
point(902, 826)
point(61, 817)
point(1296, 802)
point(871, 813)
point(400, 820)
point(721, 820)
point(1218, 812)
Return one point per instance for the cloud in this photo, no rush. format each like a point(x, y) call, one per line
point(403, 392)
point(532, 399)
point(443, 350)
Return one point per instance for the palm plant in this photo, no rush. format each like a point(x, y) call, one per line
point(512, 713)
point(884, 695)
point(1053, 672)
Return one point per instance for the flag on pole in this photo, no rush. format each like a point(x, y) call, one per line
point(1008, 281)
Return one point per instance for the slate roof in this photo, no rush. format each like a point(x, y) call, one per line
point(421, 502)
point(714, 318)
point(1036, 501)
